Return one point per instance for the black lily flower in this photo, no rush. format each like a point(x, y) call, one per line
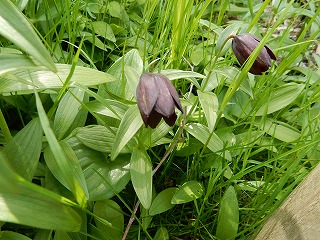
point(157, 98)
point(244, 44)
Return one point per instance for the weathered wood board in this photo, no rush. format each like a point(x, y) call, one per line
point(298, 218)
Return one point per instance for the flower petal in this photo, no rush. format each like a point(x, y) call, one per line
point(173, 93)
point(153, 119)
point(147, 94)
point(165, 103)
point(171, 120)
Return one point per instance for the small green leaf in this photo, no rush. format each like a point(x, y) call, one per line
point(141, 176)
point(281, 97)
point(23, 151)
point(188, 192)
point(16, 28)
point(209, 103)
point(202, 133)
point(7, 235)
point(109, 211)
point(129, 125)
point(228, 219)
point(161, 234)
point(162, 201)
point(104, 30)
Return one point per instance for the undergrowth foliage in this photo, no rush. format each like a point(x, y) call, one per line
point(77, 162)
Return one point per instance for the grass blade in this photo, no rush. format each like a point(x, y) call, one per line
point(16, 28)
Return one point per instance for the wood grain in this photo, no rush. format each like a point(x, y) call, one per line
point(298, 217)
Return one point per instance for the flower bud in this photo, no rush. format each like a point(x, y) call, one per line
point(243, 45)
point(157, 98)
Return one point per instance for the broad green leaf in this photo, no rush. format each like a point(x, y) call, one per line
point(229, 30)
point(173, 74)
point(112, 109)
point(161, 234)
point(25, 203)
point(209, 103)
point(104, 177)
point(16, 28)
point(122, 70)
point(280, 130)
point(96, 137)
point(8, 235)
point(162, 201)
point(111, 212)
point(133, 77)
point(67, 111)
point(141, 176)
point(23, 151)
point(13, 62)
point(72, 163)
point(228, 219)
point(129, 125)
point(281, 97)
point(104, 30)
point(188, 192)
point(65, 166)
point(24, 81)
point(202, 133)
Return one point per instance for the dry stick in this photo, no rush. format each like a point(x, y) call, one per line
point(131, 220)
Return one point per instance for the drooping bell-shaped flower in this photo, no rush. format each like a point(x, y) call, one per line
point(157, 98)
point(243, 45)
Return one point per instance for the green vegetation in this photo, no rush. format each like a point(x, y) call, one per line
point(77, 161)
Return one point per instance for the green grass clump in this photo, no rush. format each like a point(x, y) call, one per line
point(76, 159)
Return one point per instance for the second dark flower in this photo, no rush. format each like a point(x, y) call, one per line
point(243, 45)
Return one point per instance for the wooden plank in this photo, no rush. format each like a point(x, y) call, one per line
point(298, 217)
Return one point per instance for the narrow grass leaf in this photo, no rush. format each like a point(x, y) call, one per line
point(25, 203)
point(281, 97)
point(64, 165)
point(129, 125)
point(23, 151)
point(188, 192)
point(141, 176)
point(16, 28)
point(162, 201)
point(104, 177)
point(67, 111)
point(280, 130)
point(43, 80)
point(109, 211)
point(209, 103)
point(228, 219)
point(202, 133)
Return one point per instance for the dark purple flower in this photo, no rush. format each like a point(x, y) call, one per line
point(157, 98)
point(244, 44)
